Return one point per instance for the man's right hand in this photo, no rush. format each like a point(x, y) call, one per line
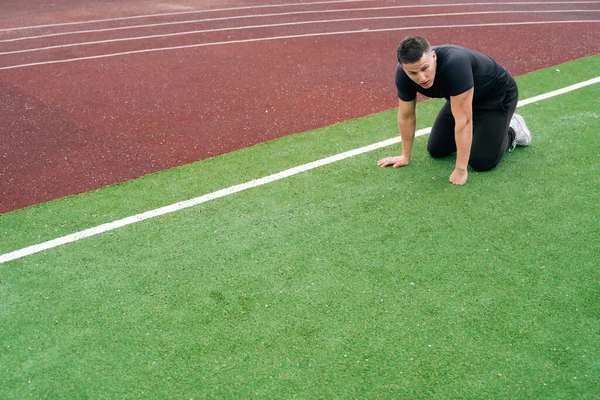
point(396, 162)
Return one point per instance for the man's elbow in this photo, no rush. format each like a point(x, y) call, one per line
point(407, 117)
point(463, 124)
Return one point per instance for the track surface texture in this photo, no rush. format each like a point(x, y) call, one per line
point(109, 91)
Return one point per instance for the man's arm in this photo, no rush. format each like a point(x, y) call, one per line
point(462, 110)
point(407, 122)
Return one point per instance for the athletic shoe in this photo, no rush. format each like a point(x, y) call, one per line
point(522, 134)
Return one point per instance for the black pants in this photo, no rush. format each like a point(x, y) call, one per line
point(491, 136)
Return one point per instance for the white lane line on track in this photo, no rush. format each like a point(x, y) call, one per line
point(184, 13)
point(244, 186)
point(287, 5)
point(271, 15)
point(363, 31)
point(327, 21)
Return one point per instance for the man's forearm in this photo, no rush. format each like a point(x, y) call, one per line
point(407, 128)
point(463, 135)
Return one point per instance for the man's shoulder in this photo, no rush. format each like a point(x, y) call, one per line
point(407, 89)
point(451, 52)
point(454, 69)
point(400, 74)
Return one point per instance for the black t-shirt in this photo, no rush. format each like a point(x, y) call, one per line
point(458, 70)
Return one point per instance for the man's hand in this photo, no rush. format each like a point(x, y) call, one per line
point(459, 177)
point(396, 162)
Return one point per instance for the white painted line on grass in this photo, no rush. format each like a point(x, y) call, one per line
point(244, 186)
point(558, 92)
point(361, 31)
point(325, 21)
point(198, 200)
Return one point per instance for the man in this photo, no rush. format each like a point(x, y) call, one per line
point(477, 121)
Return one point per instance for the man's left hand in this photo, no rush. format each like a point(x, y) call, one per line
point(459, 177)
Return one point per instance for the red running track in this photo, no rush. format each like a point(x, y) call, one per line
point(99, 118)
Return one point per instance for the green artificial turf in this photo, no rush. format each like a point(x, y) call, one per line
point(347, 281)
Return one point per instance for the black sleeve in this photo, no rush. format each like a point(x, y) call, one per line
point(460, 73)
point(404, 86)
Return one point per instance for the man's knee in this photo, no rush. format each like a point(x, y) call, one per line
point(437, 151)
point(481, 164)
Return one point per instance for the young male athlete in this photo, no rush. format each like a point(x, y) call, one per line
point(477, 121)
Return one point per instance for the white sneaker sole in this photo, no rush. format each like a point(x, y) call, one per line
point(524, 139)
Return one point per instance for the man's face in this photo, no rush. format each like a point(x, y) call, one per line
point(423, 71)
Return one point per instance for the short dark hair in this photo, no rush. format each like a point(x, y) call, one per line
point(411, 49)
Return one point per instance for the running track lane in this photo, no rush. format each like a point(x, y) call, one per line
point(73, 127)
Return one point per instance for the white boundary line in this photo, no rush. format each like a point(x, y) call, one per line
point(184, 13)
point(244, 186)
point(190, 46)
point(287, 5)
point(326, 21)
point(250, 16)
